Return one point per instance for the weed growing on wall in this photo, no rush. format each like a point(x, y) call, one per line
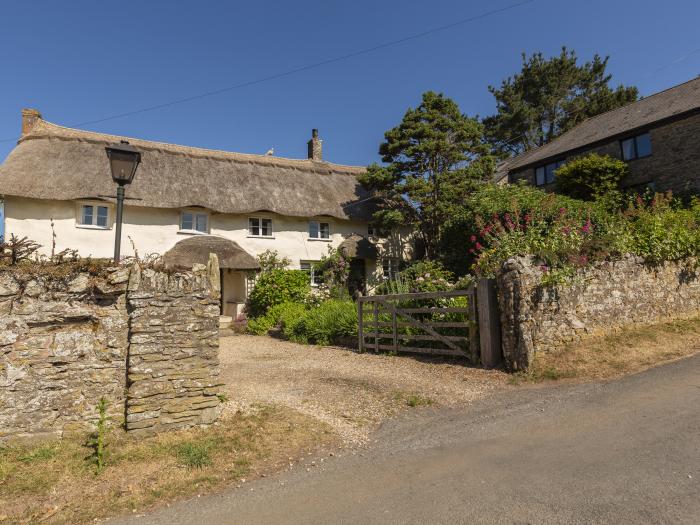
point(98, 439)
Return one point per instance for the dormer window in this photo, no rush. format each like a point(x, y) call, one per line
point(259, 227)
point(93, 216)
point(319, 230)
point(194, 222)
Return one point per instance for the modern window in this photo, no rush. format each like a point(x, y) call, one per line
point(545, 174)
point(259, 227)
point(389, 268)
point(93, 215)
point(315, 278)
point(194, 222)
point(636, 147)
point(319, 230)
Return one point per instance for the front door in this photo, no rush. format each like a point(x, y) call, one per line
point(357, 281)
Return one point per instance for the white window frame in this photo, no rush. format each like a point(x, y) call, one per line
point(318, 229)
point(312, 272)
point(194, 230)
point(260, 227)
point(94, 205)
point(393, 268)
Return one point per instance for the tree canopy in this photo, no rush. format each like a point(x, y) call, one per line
point(549, 97)
point(434, 158)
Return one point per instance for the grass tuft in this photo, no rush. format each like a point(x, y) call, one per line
point(194, 455)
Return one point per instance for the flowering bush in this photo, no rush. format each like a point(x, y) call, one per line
point(423, 276)
point(335, 270)
point(657, 228)
point(277, 286)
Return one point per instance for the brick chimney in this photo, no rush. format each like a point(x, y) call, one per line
point(29, 119)
point(315, 146)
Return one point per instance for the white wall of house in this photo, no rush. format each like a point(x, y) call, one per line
point(156, 230)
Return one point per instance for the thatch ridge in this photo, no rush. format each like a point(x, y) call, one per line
point(57, 163)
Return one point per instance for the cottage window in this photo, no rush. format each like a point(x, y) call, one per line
point(376, 231)
point(319, 230)
point(94, 216)
point(389, 268)
point(259, 227)
point(636, 147)
point(194, 222)
point(545, 174)
point(315, 277)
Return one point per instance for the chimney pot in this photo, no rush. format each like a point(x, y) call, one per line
point(315, 146)
point(29, 119)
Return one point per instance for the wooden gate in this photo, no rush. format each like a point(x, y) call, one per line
point(438, 323)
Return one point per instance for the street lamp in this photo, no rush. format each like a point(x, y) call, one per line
point(123, 160)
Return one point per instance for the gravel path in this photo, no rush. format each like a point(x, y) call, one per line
point(352, 392)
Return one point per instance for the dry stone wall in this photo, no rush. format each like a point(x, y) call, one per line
point(173, 363)
point(146, 341)
point(608, 295)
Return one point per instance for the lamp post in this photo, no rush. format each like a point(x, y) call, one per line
point(123, 161)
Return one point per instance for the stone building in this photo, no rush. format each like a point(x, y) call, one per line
point(658, 136)
point(55, 186)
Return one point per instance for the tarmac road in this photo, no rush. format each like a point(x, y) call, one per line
point(625, 451)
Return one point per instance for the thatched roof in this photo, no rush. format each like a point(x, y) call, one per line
point(357, 246)
point(668, 104)
point(58, 163)
point(196, 249)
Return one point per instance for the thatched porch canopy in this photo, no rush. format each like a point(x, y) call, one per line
point(196, 249)
point(358, 247)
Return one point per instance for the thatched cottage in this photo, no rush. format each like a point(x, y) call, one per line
point(185, 202)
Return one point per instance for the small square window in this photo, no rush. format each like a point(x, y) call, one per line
point(315, 278)
point(389, 267)
point(93, 215)
point(319, 230)
point(194, 222)
point(636, 147)
point(258, 227)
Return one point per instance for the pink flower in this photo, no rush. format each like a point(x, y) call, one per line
point(473, 238)
point(479, 246)
point(562, 211)
point(587, 227)
point(471, 250)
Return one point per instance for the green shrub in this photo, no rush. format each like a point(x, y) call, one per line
point(279, 315)
point(662, 230)
point(422, 276)
point(591, 177)
point(277, 286)
point(272, 260)
point(330, 323)
point(194, 455)
point(492, 202)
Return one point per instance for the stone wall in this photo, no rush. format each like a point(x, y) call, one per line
point(606, 296)
point(173, 363)
point(142, 339)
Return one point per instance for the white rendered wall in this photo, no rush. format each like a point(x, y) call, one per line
point(156, 230)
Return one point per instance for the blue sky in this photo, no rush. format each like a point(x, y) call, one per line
point(79, 61)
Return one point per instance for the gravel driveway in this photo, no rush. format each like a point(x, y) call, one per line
point(352, 392)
